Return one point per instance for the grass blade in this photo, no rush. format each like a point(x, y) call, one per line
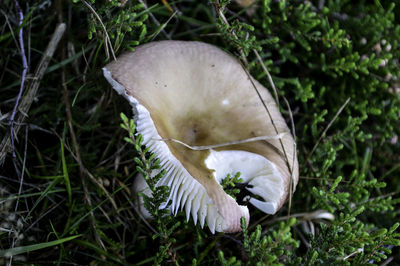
point(19, 250)
point(65, 173)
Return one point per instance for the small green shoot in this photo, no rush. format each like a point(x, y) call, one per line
point(146, 163)
point(229, 184)
point(65, 173)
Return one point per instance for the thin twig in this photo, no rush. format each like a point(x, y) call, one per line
point(164, 25)
point(129, 200)
point(21, 180)
point(32, 88)
point(75, 144)
point(23, 76)
point(291, 187)
point(44, 215)
point(90, 175)
point(78, 157)
point(108, 40)
point(270, 117)
point(326, 129)
point(11, 29)
point(221, 14)
point(166, 35)
point(271, 82)
point(207, 147)
point(303, 216)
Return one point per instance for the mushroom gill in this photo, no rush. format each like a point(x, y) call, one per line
point(197, 94)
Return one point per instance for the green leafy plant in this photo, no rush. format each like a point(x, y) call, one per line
point(268, 248)
point(118, 24)
point(145, 164)
point(229, 184)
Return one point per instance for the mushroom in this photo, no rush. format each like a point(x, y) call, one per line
point(196, 95)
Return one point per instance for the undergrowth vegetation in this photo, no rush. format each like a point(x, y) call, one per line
point(66, 175)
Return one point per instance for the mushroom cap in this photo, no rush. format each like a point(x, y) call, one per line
point(200, 95)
